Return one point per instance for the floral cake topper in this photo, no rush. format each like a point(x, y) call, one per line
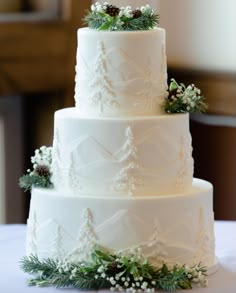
point(110, 17)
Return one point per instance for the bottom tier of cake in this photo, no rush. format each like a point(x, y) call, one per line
point(173, 229)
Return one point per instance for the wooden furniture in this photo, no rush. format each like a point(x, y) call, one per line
point(37, 61)
point(37, 52)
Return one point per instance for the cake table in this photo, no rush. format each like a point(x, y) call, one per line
point(12, 249)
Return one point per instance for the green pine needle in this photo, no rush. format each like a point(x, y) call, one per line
point(106, 270)
point(28, 181)
point(102, 21)
point(182, 99)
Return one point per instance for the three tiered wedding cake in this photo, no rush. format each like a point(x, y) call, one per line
point(122, 168)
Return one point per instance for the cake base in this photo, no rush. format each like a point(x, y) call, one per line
point(173, 229)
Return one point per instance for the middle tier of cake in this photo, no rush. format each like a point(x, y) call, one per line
point(136, 156)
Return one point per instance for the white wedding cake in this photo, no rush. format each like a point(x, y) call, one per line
point(122, 168)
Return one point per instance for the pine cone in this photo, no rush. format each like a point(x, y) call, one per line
point(113, 267)
point(172, 93)
point(112, 10)
point(42, 171)
point(137, 13)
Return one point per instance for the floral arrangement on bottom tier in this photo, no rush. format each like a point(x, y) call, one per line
point(118, 272)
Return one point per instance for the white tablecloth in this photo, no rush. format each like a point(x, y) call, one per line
point(13, 280)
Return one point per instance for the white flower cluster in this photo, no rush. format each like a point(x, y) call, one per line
point(196, 275)
point(147, 9)
point(120, 281)
point(124, 11)
point(64, 266)
point(189, 96)
point(98, 7)
point(42, 157)
point(135, 254)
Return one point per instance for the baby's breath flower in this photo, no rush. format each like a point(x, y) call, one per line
point(100, 8)
point(100, 269)
point(121, 13)
point(112, 281)
point(144, 285)
point(128, 12)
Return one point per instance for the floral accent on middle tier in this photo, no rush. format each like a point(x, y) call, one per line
point(148, 156)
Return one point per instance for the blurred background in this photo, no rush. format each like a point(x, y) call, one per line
point(37, 61)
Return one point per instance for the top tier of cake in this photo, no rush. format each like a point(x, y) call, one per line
point(120, 74)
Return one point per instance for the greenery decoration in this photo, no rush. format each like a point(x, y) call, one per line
point(118, 272)
point(40, 176)
point(109, 17)
point(182, 99)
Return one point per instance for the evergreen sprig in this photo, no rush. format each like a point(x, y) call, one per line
point(28, 181)
point(126, 19)
point(40, 175)
point(182, 99)
point(112, 271)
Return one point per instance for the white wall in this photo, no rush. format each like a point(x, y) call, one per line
point(201, 34)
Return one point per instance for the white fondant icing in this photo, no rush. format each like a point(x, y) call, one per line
point(173, 228)
point(122, 169)
point(139, 156)
point(120, 73)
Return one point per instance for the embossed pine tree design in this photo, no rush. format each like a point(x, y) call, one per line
point(31, 234)
point(202, 237)
point(183, 165)
point(57, 248)
point(73, 177)
point(211, 235)
point(126, 180)
point(148, 96)
point(155, 246)
point(86, 240)
point(102, 94)
point(57, 177)
point(155, 90)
